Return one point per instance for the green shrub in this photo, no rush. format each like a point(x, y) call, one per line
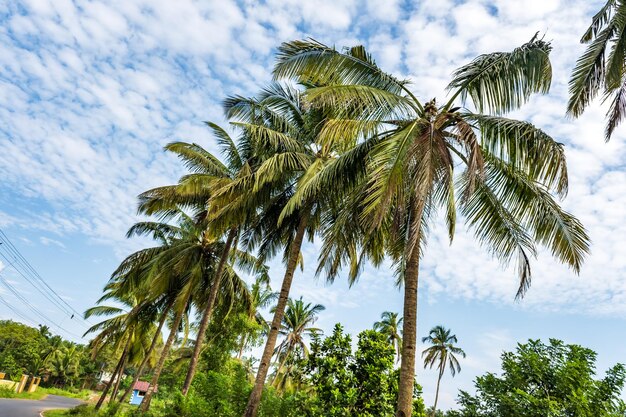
point(7, 392)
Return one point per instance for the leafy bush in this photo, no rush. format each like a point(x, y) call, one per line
point(7, 392)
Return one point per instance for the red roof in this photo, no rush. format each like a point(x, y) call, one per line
point(143, 386)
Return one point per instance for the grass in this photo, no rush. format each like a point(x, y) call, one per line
point(80, 394)
point(88, 411)
point(9, 393)
point(43, 392)
point(56, 413)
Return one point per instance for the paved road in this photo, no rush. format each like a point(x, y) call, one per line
point(32, 408)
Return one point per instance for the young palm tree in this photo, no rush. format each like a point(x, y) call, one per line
point(389, 325)
point(64, 365)
point(296, 325)
point(441, 353)
point(123, 330)
point(596, 71)
point(414, 158)
point(262, 297)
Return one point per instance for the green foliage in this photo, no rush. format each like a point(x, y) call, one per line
point(20, 346)
point(363, 383)
point(540, 379)
point(224, 393)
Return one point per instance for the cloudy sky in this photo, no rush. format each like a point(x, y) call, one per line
point(90, 92)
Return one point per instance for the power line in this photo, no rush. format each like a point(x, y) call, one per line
point(46, 290)
point(17, 312)
point(29, 280)
point(35, 310)
point(19, 259)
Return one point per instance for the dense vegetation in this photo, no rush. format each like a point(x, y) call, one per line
point(36, 352)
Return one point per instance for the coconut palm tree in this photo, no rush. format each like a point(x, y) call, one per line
point(64, 365)
point(297, 322)
point(262, 297)
point(194, 191)
point(389, 325)
point(441, 353)
point(413, 157)
point(122, 330)
point(185, 267)
point(601, 66)
point(283, 130)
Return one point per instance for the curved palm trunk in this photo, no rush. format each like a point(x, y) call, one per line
point(145, 403)
point(257, 391)
point(118, 380)
point(208, 311)
point(280, 368)
point(437, 391)
point(115, 372)
point(144, 362)
point(411, 276)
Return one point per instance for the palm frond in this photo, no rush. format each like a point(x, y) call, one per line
point(227, 145)
point(589, 73)
point(616, 112)
point(315, 64)
point(502, 81)
point(525, 147)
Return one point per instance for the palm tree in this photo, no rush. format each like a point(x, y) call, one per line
point(262, 297)
point(442, 353)
point(389, 325)
point(296, 325)
point(121, 330)
point(185, 267)
point(64, 365)
point(284, 131)
point(413, 158)
point(595, 71)
point(194, 191)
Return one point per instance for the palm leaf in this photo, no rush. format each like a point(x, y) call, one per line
point(502, 81)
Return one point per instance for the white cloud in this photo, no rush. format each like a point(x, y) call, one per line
point(47, 242)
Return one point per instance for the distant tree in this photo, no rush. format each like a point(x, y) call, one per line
point(541, 380)
point(442, 354)
point(390, 324)
point(20, 347)
point(297, 323)
point(330, 375)
point(64, 365)
point(374, 375)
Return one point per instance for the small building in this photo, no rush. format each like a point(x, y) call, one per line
point(139, 390)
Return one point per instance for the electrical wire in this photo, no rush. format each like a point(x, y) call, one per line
point(30, 274)
point(34, 309)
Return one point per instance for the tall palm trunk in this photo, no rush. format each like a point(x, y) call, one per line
point(116, 386)
point(208, 311)
point(144, 362)
point(294, 254)
point(409, 341)
point(441, 369)
point(145, 403)
point(107, 387)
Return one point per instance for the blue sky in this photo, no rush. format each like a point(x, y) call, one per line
point(91, 91)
